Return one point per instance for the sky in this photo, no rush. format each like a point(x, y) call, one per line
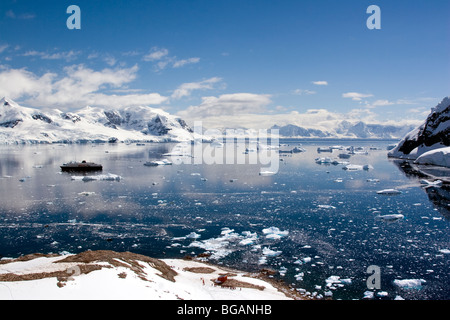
point(250, 63)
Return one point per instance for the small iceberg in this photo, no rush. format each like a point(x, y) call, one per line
point(408, 284)
point(157, 163)
point(274, 233)
point(323, 160)
point(353, 167)
point(101, 177)
point(390, 217)
point(389, 192)
point(266, 173)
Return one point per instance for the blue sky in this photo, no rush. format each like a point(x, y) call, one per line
point(230, 59)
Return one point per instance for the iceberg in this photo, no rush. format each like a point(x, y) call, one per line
point(353, 167)
point(101, 177)
point(409, 284)
point(270, 253)
point(389, 192)
point(274, 233)
point(155, 163)
point(266, 173)
point(390, 217)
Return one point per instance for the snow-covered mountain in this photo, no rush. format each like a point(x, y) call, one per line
point(346, 129)
point(26, 125)
point(432, 134)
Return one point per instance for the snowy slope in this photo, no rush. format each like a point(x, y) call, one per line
point(26, 125)
point(109, 275)
point(434, 133)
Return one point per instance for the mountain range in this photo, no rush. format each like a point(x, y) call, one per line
point(138, 124)
point(23, 125)
point(346, 129)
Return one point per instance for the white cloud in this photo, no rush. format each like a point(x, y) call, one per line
point(79, 86)
point(183, 62)
point(64, 55)
point(303, 92)
point(320, 83)
point(3, 47)
point(156, 54)
point(186, 88)
point(379, 103)
point(23, 16)
point(161, 58)
point(356, 96)
point(234, 104)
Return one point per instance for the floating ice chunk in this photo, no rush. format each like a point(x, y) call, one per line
point(368, 295)
point(193, 235)
point(390, 217)
point(266, 173)
point(247, 242)
point(304, 260)
point(373, 180)
point(155, 163)
point(104, 177)
point(326, 206)
point(86, 193)
point(353, 167)
point(409, 284)
point(333, 282)
point(367, 167)
point(389, 191)
point(299, 276)
point(274, 233)
point(444, 251)
point(270, 253)
point(323, 160)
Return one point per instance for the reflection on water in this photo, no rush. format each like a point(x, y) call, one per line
point(439, 196)
point(316, 225)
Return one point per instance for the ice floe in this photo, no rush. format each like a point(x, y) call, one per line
point(274, 233)
point(390, 217)
point(100, 177)
point(408, 284)
point(389, 192)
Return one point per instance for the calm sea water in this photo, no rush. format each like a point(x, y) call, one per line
point(317, 226)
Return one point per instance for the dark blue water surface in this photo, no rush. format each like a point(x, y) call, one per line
point(329, 230)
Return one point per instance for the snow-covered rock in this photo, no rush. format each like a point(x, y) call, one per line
point(434, 133)
point(437, 157)
point(19, 124)
point(109, 275)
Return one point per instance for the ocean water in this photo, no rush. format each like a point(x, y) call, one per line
point(316, 226)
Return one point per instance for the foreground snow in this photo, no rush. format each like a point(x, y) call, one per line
point(112, 275)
